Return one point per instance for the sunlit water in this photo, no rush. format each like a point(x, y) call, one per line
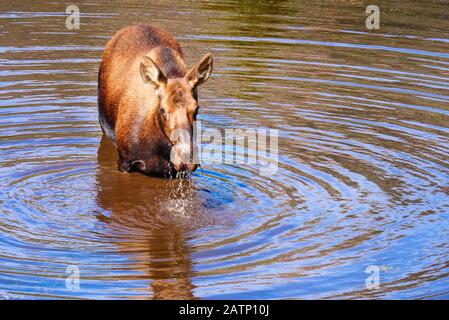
point(363, 120)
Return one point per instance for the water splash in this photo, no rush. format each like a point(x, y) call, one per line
point(182, 204)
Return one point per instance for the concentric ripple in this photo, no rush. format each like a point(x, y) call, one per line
point(362, 173)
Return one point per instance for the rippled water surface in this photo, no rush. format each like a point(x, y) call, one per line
point(362, 179)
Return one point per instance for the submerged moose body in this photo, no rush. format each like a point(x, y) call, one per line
point(147, 100)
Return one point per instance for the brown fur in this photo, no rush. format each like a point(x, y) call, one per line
point(140, 115)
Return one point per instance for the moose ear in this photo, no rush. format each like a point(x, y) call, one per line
point(151, 73)
point(201, 71)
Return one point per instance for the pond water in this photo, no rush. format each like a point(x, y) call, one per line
point(362, 182)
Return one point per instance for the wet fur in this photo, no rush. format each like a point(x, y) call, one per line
point(127, 106)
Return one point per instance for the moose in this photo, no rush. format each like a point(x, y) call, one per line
point(148, 100)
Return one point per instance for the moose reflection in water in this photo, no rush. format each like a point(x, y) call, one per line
point(158, 248)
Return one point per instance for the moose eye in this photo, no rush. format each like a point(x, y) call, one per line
point(164, 113)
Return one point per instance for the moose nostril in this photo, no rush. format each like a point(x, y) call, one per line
point(181, 152)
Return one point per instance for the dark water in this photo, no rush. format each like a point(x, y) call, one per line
point(363, 120)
